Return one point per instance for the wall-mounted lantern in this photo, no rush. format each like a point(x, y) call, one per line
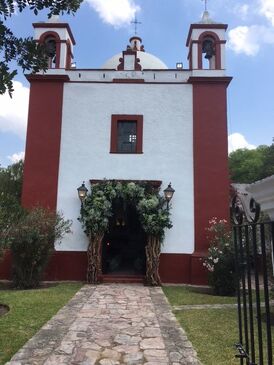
point(169, 191)
point(82, 192)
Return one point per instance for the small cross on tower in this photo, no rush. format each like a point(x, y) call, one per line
point(205, 4)
point(135, 22)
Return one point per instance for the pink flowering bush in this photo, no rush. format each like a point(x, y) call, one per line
point(220, 260)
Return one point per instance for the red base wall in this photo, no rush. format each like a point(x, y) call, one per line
point(70, 265)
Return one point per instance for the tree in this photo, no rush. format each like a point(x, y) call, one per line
point(248, 166)
point(10, 197)
point(28, 54)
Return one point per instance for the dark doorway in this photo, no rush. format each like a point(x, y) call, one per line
point(123, 249)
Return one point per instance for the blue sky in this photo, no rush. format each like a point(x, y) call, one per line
point(102, 28)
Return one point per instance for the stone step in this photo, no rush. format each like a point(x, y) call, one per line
point(122, 279)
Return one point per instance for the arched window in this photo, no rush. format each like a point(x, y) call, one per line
point(208, 48)
point(52, 43)
point(209, 51)
point(50, 46)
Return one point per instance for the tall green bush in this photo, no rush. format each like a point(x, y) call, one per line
point(31, 240)
point(10, 196)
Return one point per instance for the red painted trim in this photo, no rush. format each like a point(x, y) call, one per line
point(50, 33)
point(56, 25)
point(175, 268)
point(208, 34)
point(49, 78)
point(190, 58)
point(6, 265)
point(67, 265)
point(72, 265)
point(218, 57)
point(43, 142)
point(204, 26)
point(210, 80)
point(211, 178)
point(69, 56)
point(115, 118)
point(137, 66)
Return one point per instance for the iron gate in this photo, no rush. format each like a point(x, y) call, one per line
point(253, 242)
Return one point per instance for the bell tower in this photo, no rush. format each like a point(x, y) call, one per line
point(206, 43)
point(58, 40)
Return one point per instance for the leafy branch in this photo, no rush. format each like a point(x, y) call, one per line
point(28, 54)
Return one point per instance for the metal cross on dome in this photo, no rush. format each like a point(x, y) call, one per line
point(206, 1)
point(135, 22)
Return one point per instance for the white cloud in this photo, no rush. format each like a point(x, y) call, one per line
point(242, 10)
point(14, 111)
point(248, 40)
point(115, 12)
point(236, 141)
point(17, 157)
point(267, 9)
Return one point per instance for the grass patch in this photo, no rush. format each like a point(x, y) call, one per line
point(29, 310)
point(186, 295)
point(213, 332)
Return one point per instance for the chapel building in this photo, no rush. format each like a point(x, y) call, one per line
point(133, 119)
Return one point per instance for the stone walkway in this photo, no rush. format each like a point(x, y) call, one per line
point(111, 325)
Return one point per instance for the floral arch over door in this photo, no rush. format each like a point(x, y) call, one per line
point(96, 211)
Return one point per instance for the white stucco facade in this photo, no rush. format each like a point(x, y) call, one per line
point(167, 149)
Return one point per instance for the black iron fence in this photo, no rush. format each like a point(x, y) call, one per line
point(253, 242)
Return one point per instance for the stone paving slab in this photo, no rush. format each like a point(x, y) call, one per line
point(113, 324)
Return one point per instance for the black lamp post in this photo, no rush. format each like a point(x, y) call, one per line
point(169, 191)
point(82, 192)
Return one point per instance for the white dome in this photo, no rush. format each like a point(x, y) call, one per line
point(147, 61)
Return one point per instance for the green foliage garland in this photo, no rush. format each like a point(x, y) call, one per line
point(97, 207)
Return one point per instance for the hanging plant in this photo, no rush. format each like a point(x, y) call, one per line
point(97, 210)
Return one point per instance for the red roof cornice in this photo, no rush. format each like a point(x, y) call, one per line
point(52, 78)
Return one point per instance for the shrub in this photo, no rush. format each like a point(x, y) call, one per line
point(10, 211)
point(31, 240)
point(10, 193)
point(220, 259)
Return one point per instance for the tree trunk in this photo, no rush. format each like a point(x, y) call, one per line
point(153, 250)
point(94, 260)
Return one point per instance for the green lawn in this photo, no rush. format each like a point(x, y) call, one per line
point(213, 332)
point(29, 310)
point(186, 295)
